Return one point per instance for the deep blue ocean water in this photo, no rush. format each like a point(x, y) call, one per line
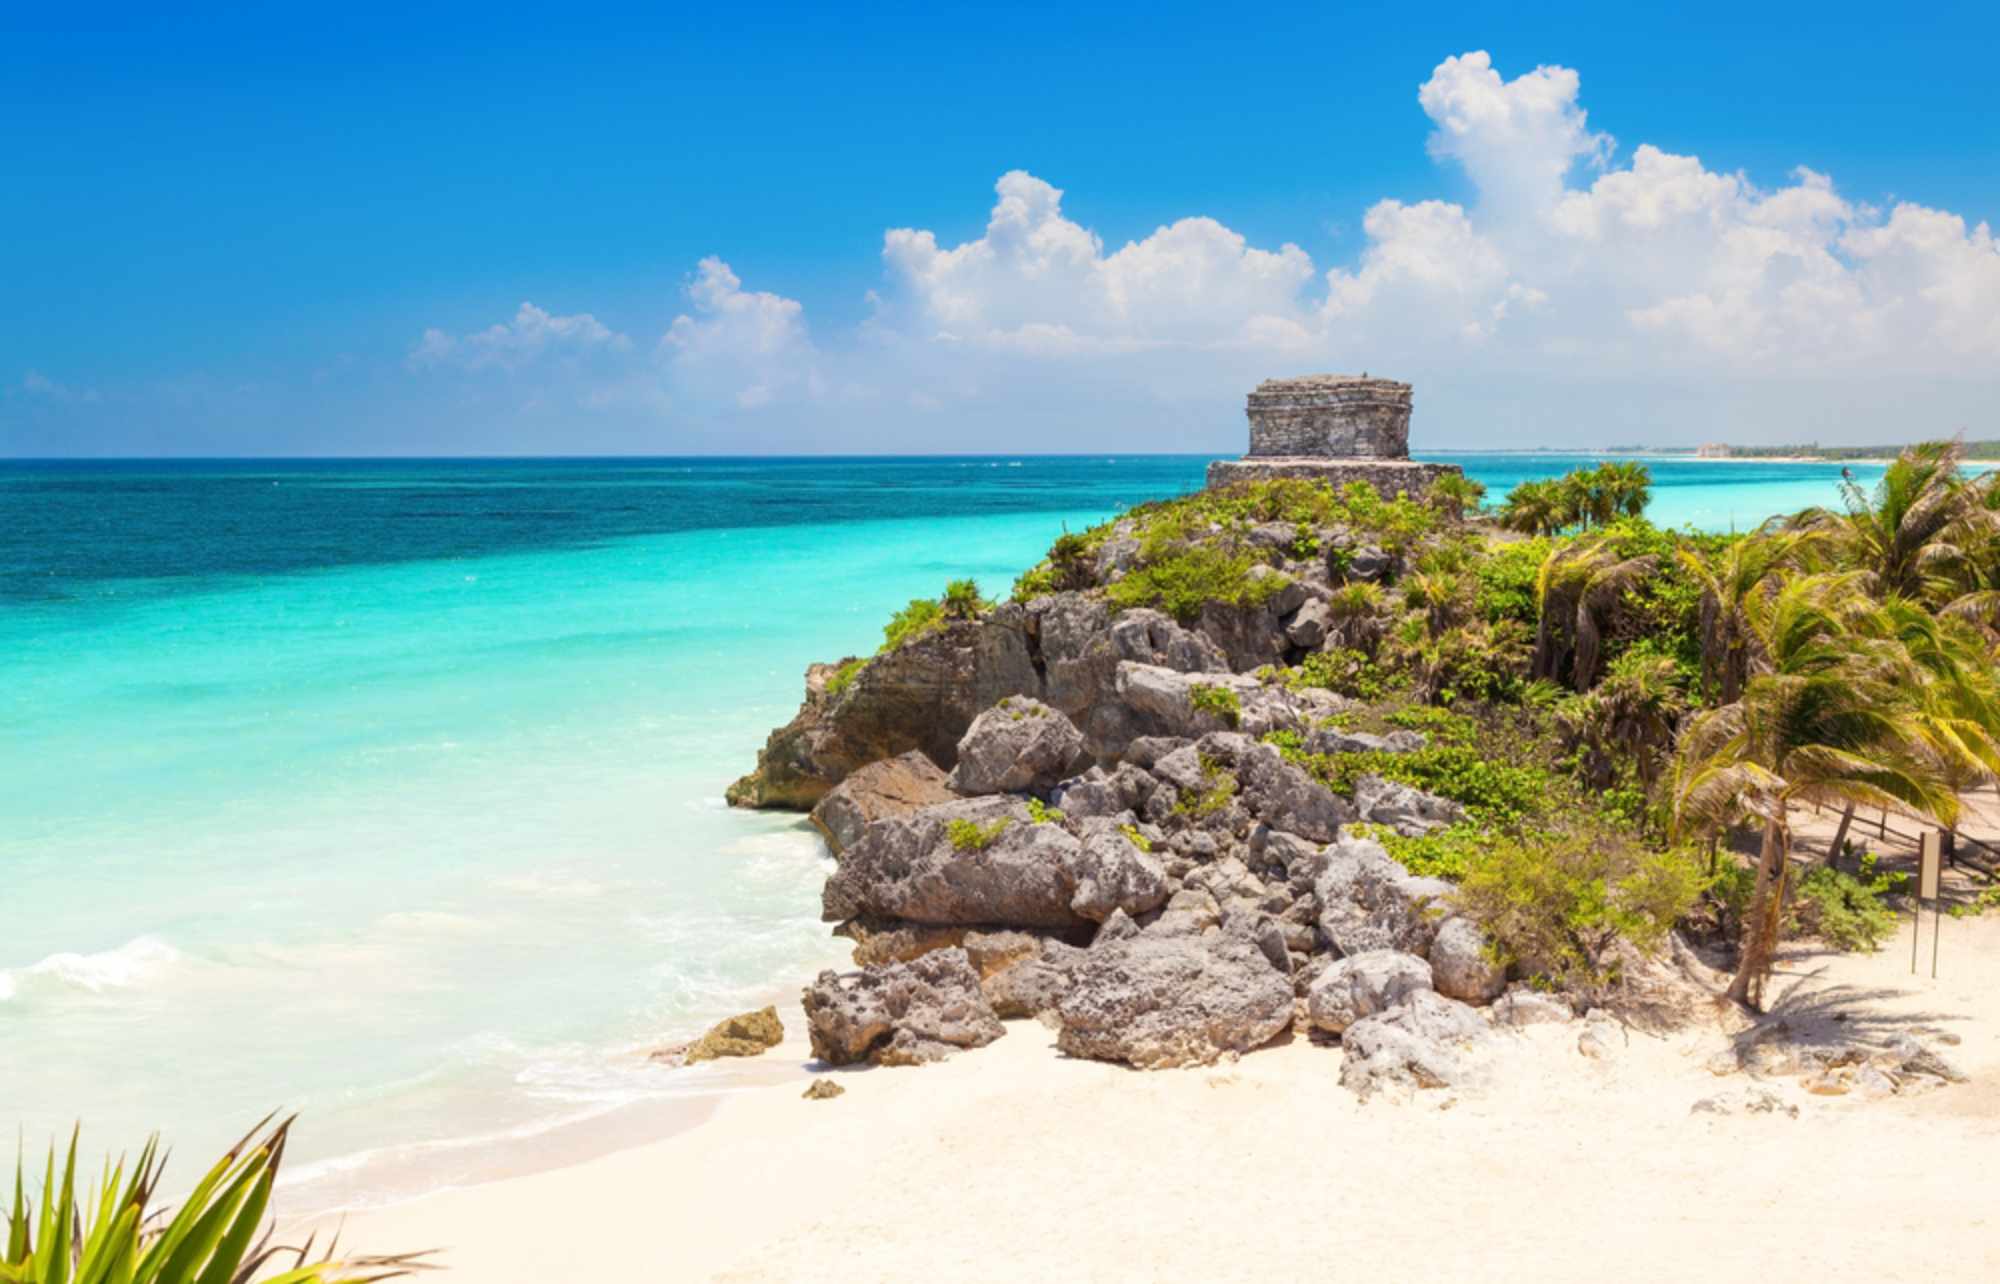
point(391, 791)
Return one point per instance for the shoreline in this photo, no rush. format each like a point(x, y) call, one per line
point(1108, 1165)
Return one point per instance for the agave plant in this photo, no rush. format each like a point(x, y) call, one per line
point(214, 1236)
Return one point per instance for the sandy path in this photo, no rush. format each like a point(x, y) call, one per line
point(1012, 1163)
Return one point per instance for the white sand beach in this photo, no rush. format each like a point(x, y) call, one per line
point(1015, 1163)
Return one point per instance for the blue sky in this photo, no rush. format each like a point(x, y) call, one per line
point(231, 234)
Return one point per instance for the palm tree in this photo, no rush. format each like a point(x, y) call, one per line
point(1912, 535)
point(1730, 582)
point(1456, 493)
point(1631, 715)
point(1833, 717)
point(1575, 591)
point(1533, 508)
point(1628, 486)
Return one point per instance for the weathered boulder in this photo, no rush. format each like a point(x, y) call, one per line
point(1308, 625)
point(1156, 1002)
point(1368, 901)
point(1334, 740)
point(1521, 1007)
point(891, 787)
point(1428, 1041)
point(822, 1090)
point(986, 862)
point(978, 861)
point(1462, 964)
point(922, 695)
point(1281, 794)
point(1020, 745)
point(1032, 985)
point(1112, 874)
point(1098, 792)
point(745, 1035)
point(900, 1013)
point(1407, 810)
point(1252, 636)
point(1363, 985)
point(1166, 698)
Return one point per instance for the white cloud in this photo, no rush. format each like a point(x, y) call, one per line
point(532, 334)
point(1567, 271)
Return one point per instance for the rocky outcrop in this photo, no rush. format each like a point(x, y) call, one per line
point(1407, 810)
point(922, 696)
point(745, 1035)
point(1368, 901)
point(1428, 1041)
point(892, 787)
point(1020, 745)
point(986, 861)
point(900, 1013)
point(1463, 965)
point(1364, 985)
point(1155, 1001)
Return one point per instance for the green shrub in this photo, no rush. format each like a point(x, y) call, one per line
point(1343, 672)
point(1040, 813)
point(1441, 725)
point(1844, 911)
point(1493, 793)
point(962, 601)
point(1443, 853)
point(921, 616)
point(843, 677)
point(1183, 580)
point(1218, 790)
point(971, 836)
point(1134, 837)
point(1555, 903)
point(1209, 697)
point(119, 1233)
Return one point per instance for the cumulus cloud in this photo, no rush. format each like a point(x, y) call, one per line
point(1568, 266)
point(532, 334)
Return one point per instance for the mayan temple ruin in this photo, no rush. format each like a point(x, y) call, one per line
point(1335, 428)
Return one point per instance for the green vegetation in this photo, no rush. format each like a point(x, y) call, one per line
point(1585, 677)
point(843, 677)
point(1137, 839)
point(1223, 702)
point(923, 615)
point(961, 600)
point(1184, 580)
point(1556, 903)
point(1846, 911)
point(117, 1234)
point(1217, 792)
point(971, 836)
point(1040, 813)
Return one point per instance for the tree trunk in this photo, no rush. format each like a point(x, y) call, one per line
point(1760, 925)
point(1839, 837)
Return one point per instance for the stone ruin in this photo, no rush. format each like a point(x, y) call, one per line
point(1334, 428)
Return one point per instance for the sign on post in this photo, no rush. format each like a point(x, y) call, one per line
point(1930, 862)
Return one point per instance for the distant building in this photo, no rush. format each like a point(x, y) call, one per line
point(1333, 428)
point(1713, 450)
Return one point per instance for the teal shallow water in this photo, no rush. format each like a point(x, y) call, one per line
point(391, 793)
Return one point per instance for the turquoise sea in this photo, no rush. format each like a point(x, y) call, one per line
point(391, 792)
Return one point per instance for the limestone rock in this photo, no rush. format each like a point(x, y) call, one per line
point(1428, 1041)
point(900, 1013)
point(922, 695)
point(908, 867)
point(1155, 1002)
point(1020, 745)
point(1462, 966)
point(1334, 740)
point(1113, 875)
point(822, 1090)
point(891, 787)
point(1522, 1007)
point(1308, 625)
point(1602, 1036)
point(1364, 985)
point(1406, 810)
point(1283, 796)
point(1368, 901)
point(745, 1035)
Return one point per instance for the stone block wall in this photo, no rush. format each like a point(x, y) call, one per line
point(1330, 416)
